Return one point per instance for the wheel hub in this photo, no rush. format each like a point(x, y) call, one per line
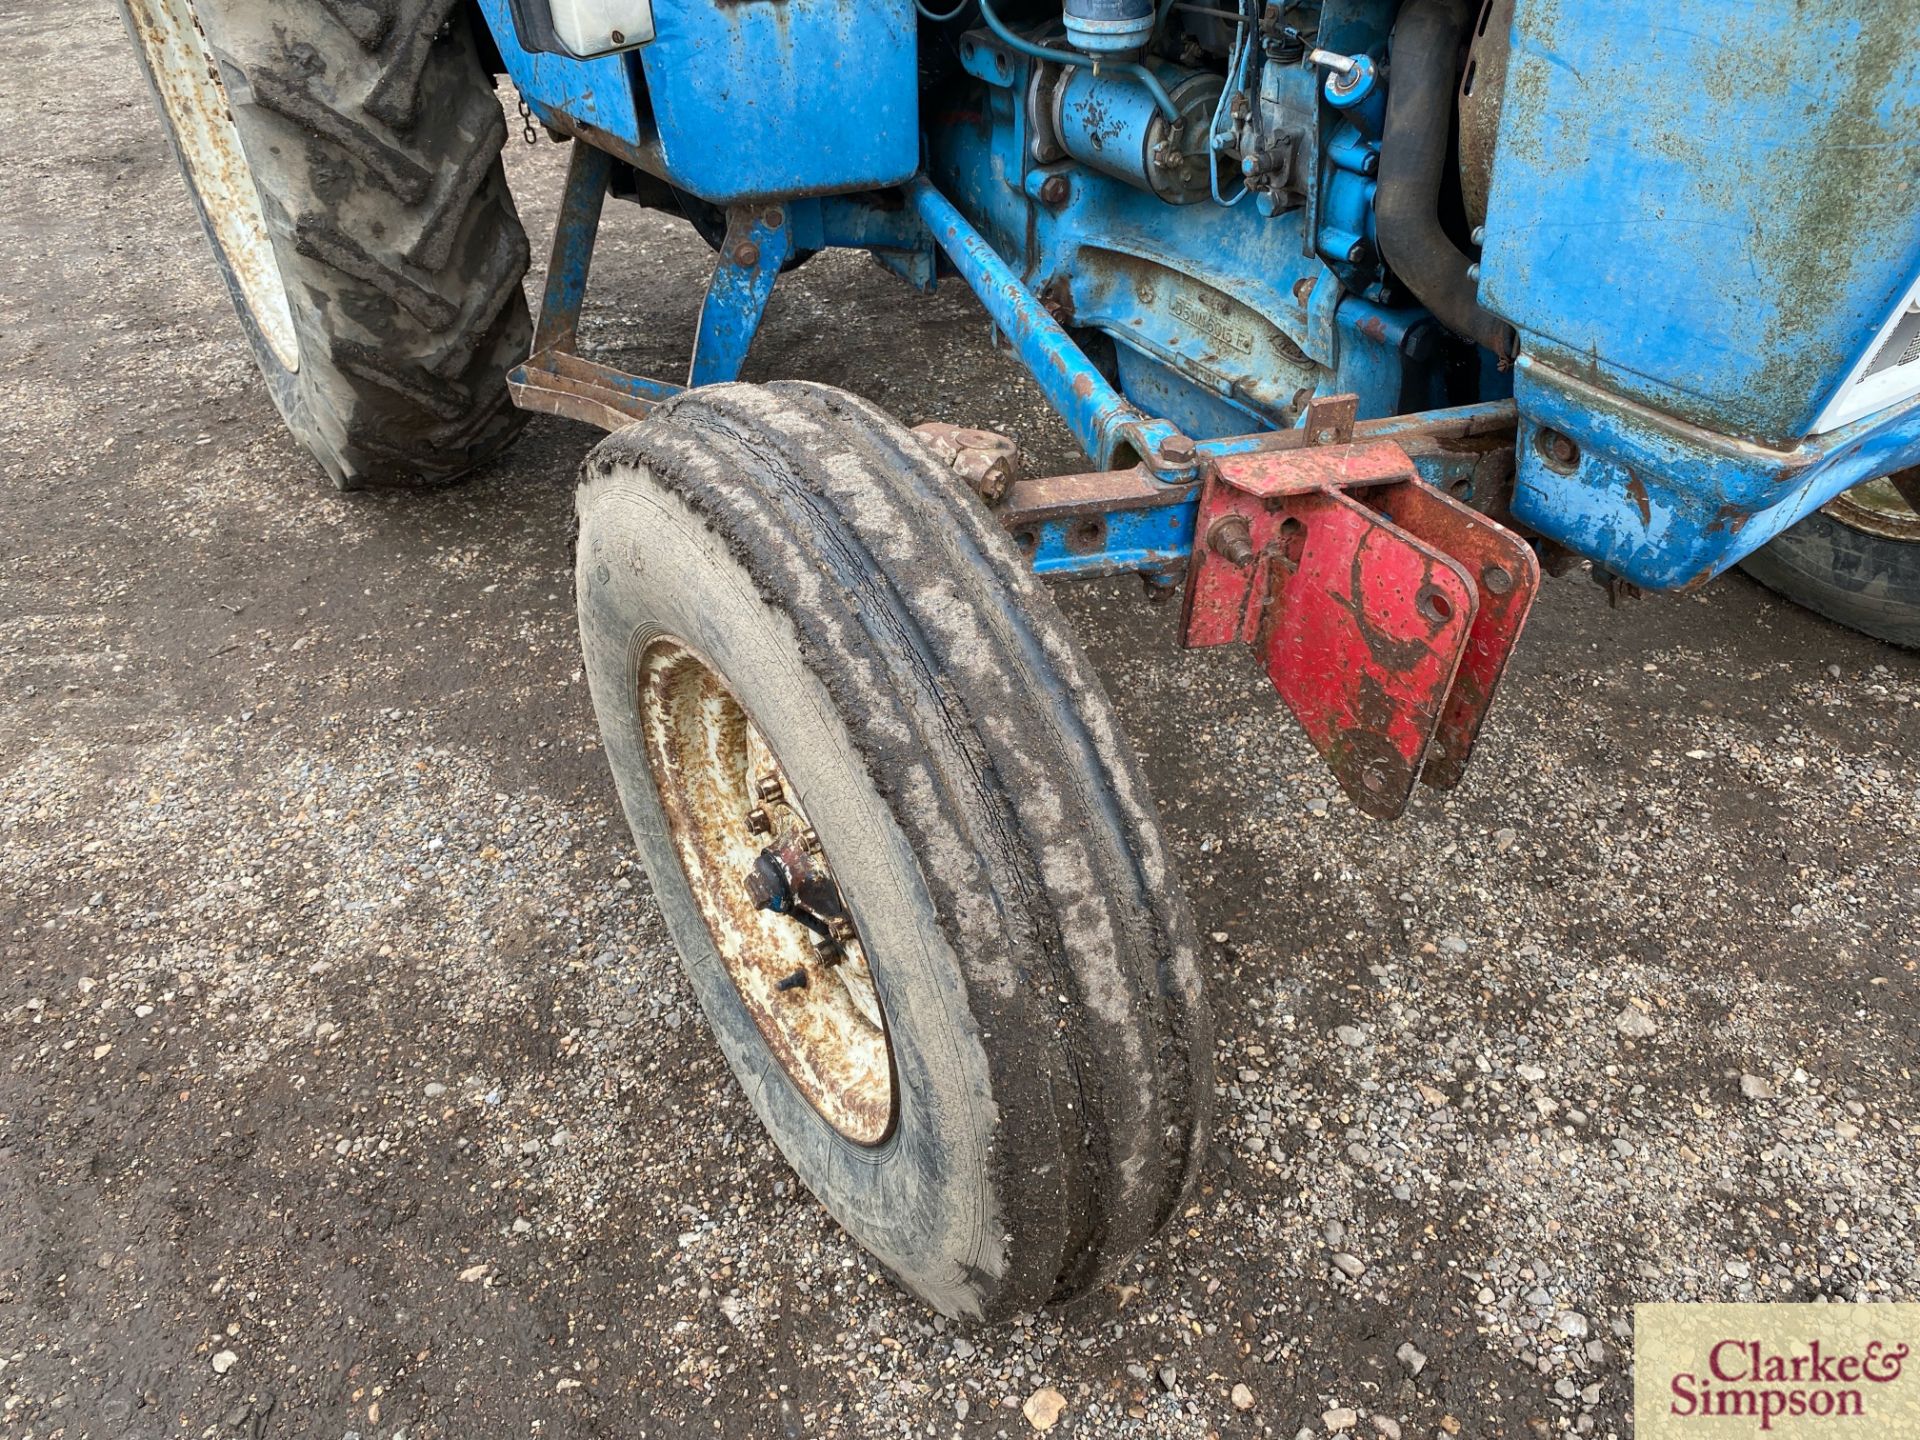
point(760, 877)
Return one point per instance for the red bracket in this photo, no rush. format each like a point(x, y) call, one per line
point(1384, 616)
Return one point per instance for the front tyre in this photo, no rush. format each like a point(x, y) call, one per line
point(344, 159)
point(909, 863)
point(1856, 560)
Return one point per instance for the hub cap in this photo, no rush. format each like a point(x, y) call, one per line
point(761, 880)
point(187, 76)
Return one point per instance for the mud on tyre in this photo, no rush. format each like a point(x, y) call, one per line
point(852, 633)
point(344, 157)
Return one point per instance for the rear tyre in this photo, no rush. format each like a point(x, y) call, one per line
point(782, 593)
point(344, 158)
point(1857, 561)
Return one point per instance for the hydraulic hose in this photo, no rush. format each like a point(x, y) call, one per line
point(1413, 158)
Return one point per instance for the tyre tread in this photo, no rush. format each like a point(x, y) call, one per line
point(374, 138)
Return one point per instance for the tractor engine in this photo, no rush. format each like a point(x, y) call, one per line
point(1233, 209)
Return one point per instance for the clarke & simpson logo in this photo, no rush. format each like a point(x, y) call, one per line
point(1713, 1372)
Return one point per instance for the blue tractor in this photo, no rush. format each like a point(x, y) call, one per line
point(1363, 311)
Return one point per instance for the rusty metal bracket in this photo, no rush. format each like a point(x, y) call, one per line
point(1383, 610)
point(555, 380)
point(986, 460)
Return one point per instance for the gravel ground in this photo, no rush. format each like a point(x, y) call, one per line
point(348, 1086)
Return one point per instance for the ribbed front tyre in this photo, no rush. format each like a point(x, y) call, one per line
point(906, 855)
point(344, 157)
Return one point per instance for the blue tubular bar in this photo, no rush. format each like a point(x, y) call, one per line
point(1101, 418)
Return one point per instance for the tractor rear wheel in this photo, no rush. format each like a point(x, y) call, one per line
point(344, 157)
point(1856, 560)
point(907, 858)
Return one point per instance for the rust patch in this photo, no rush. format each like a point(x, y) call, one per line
point(1729, 518)
point(1637, 488)
point(731, 812)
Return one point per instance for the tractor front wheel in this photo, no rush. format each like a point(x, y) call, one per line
point(344, 158)
point(909, 863)
point(1856, 560)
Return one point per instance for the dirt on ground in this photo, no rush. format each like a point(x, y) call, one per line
point(349, 1086)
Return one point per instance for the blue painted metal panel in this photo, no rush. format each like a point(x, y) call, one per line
point(1667, 504)
point(1152, 541)
point(599, 93)
point(1158, 389)
point(1708, 208)
point(765, 99)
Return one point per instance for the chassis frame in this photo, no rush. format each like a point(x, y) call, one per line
point(1383, 605)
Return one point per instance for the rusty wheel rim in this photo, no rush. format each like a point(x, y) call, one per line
point(1883, 507)
point(760, 878)
point(187, 76)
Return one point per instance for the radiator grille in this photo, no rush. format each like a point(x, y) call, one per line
point(1902, 346)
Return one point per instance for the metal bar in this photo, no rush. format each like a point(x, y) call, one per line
point(1101, 418)
point(556, 383)
point(1055, 497)
point(1461, 422)
point(758, 243)
point(573, 235)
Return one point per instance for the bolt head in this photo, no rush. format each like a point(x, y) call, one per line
point(746, 254)
point(1232, 541)
point(1054, 190)
point(1178, 450)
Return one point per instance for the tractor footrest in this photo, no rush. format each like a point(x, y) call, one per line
point(1383, 610)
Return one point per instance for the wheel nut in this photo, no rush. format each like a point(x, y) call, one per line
point(758, 823)
point(768, 789)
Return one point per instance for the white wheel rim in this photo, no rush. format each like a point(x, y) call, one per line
point(187, 76)
point(728, 802)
